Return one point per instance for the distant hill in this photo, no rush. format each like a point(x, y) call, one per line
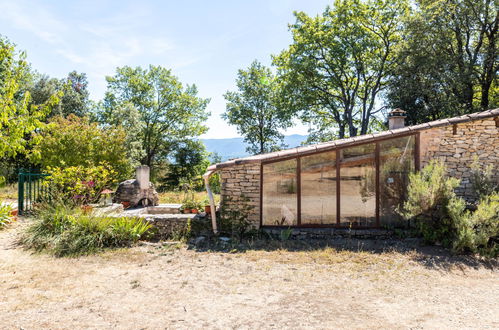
point(236, 148)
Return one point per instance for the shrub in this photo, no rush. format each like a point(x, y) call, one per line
point(5, 215)
point(482, 179)
point(64, 231)
point(441, 217)
point(478, 232)
point(430, 196)
point(74, 142)
point(235, 222)
point(78, 184)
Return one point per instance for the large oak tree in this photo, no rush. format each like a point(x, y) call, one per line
point(338, 64)
point(167, 111)
point(254, 110)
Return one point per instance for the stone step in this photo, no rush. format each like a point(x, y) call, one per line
point(163, 209)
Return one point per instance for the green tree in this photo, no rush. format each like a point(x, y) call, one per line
point(168, 111)
point(254, 111)
point(448, 64)
point(75, 141)
point(18, 115)
point(125, 116)
point(338, 64)
point(189, 163)
point(74, 89)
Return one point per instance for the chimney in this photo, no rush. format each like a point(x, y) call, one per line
point(396, 119)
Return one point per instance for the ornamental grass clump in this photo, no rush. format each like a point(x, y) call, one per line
point(64, 231)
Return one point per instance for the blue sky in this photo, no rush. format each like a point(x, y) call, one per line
point(203, 42)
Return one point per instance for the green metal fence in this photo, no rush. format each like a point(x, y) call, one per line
point(30, 190)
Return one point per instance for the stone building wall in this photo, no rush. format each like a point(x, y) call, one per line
point(458, 146)
point(241, 184)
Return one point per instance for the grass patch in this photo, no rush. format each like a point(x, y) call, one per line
point(178, 197)
point(8, 192)
point(64, 231)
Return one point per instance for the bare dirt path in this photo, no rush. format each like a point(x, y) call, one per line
point(151, 287)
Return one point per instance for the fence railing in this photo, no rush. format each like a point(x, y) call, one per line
point(30, 190)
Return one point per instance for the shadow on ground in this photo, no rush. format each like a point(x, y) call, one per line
point(431, 257)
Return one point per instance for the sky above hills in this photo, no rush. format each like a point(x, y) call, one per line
point(203, 42)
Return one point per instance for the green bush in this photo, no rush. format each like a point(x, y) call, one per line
point(5, 215)
point(235, 222)
point(74, 141)
point(482, 179)
point(78, 184)
point(478, 232)
point(430, 196)
point(441, 217)
point(64, 231)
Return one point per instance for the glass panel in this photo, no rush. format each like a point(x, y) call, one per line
point(358, 186)
point(396, 162)
point(318, 188)
point(279, 194)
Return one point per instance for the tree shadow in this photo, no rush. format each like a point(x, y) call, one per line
point(431, 257)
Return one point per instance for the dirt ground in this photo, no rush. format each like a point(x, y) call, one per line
point(163, 287)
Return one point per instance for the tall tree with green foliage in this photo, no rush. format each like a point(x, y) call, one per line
point(338, 64)
point(18, 115)
point(254, 110)
point(74, 89)
point(168, 111)
point(189, 163)
point(448, 63)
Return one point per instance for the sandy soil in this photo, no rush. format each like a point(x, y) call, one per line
point(159, 287)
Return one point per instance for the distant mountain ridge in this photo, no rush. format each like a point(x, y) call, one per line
point(236, 148)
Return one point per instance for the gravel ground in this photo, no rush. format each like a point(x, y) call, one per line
point(176, 287)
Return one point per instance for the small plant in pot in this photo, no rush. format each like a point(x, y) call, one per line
point(189, 206)
point(207, 206)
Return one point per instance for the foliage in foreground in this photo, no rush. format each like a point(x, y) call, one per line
point(78, 184)
point(5, 215)
point(64, 231)
point(441, 217)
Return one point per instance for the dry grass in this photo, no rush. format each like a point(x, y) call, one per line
point(177, 197)
point(284, 286)
point(8, 192)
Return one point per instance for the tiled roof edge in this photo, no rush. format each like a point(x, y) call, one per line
point(331, 145)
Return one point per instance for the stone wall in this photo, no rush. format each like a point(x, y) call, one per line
point(241, 184)
point(480, 138)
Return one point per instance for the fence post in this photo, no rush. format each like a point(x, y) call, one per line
point(20, 193)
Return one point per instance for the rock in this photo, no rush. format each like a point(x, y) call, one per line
point(108, 210)
point(129, 191)
point(198, 240)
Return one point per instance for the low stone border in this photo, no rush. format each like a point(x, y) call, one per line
point(320, 233)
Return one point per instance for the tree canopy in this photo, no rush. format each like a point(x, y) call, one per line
point(18, 115)
point(75, 141)
point(339, 63)
point(447, 65)
point(254, 110)
point(167, 111)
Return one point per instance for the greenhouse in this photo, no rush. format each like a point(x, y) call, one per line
point(358, 182)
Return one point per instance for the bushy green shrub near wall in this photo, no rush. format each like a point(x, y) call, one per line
point(441, 217)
